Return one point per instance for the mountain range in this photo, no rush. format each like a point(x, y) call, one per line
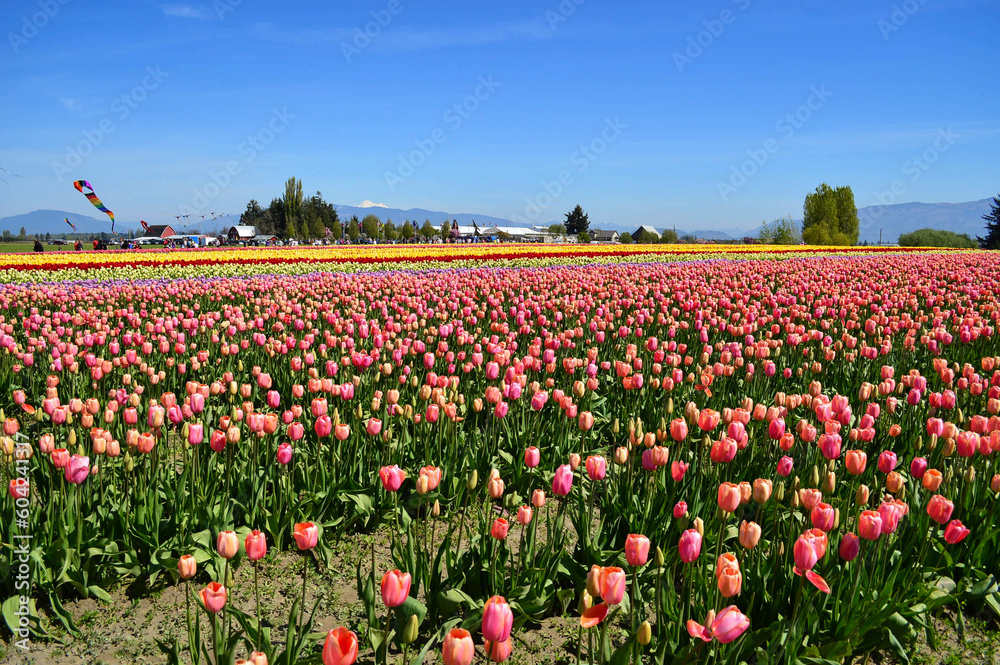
point(889, 221)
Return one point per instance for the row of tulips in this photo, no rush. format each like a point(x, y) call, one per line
point(175, 264)
point(687, 444)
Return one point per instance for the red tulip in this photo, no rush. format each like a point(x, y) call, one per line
point(213, 597)
point(940, 508)
point(392, 477)
point(458, 648)
point(395, 588)
point(955, 532)
point(306, 535)
point(636, 549)
point(340, 647)
point(255, 545)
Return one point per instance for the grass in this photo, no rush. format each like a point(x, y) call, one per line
point(19, 247)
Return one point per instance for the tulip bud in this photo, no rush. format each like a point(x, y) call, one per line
point(615, 427)
point(659, 558)
point(861, 496)
point(129, 463)
point(699, 526)
point(970, 475)
point(594, 581)
point(436, 510)
point(779, 492)
point(586, 601)
point(71, 439)
point(410, 632)
point(830, 483)
point(814, 476)
point(645, 635)
point(473, 480)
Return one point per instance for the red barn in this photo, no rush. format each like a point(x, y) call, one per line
point(158, 231)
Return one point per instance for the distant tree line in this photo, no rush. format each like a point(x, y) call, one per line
point(936, 238)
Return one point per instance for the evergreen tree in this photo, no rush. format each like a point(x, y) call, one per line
point(353, 228)
point(336, 230)
point(445, 230)
point(406, 231)
point(427, 230)
point(992, 239)
point(577, 221)
point(253, 216)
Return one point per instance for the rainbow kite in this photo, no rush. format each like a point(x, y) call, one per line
point(70, 223)
point(92, 197)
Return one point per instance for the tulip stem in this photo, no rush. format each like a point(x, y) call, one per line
point(187, 612)
point(215, 639)
point(256, 590)
point(579, 643)
point(305, 573)
point(388, 621)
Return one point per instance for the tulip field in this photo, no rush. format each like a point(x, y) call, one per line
point(689, 454)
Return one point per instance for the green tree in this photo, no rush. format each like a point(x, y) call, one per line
point(557, 229)
point(336, 230)
point(625, 238)
point(830, 217)
point(353, 228)
point(577, 221)
point(389, 230)
point(427, 230)
point(22, 233)
point(293, 204)
point(316, 227)
point(370, 225)
point(7, 235)
point(406, 231)
point(645, 237)
point(992, 239)
point(668, 237)
point(253, 216)
point(583, 237)
point(782, 231)
point(273, 220)
point(445, 230)
point(936, 238)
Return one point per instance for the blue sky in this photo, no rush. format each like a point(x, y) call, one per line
point(715, 114)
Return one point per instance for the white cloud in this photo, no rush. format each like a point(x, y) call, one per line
point(71, 103)
point(185, 11)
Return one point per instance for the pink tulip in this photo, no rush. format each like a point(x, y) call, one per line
point(562, 483)
point(497, 619)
